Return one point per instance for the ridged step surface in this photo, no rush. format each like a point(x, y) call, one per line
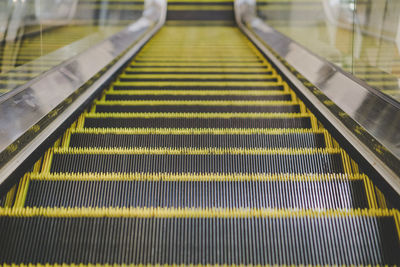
point(199, 153)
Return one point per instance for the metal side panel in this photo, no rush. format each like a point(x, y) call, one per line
point(365, 118)
point(40, 99)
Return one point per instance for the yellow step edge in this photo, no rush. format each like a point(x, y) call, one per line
point(214, 64)
point(199, 70)
point(397, 221)
point(199, 83)
point(376, 75)
point(196, 131)
point(47, 160)
point(196, 151)
point(12, 82)
point(396, 91)
point(200, 115)
point(206, 56)
point(196, 53)
point(370, 192)
point(216, 51)
point(202, 92)
point(180, 177)
point(383, 83)
point(199, 8)
point(10, 196)
point(20, 74)
point(196, 103)
point(22, 191)
point(194, 61)
point(190, 213)
point(149, 265)
point(195, 45)
point(198, 76)
point(380, 198)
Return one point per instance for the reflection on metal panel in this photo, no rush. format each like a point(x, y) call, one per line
point(40, 34)
point(357, 36)
point(378, 114)
point(26, 107)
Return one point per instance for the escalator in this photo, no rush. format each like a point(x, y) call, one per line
point(199, 153)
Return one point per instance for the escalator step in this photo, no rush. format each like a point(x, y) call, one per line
point(110, 122)
point(331, 194)
point(202, 238)
point(186, 71)
point(197, 87)
point(108, 107)
point(277, 97)
point(289, 140)
point(134, 80)
point(198, 154)
point(183, 162)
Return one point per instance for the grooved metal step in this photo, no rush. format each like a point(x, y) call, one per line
point(199, 153)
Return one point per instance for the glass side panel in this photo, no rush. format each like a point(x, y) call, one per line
point(37, 35)
point(360, 36)
point(377, 44)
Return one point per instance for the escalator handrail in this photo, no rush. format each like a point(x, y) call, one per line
point(32, 113)
point(361, 117)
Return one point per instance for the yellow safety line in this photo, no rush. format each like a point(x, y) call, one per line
point(383, 83)
point(194, 61)
point(370, 192)
point(200, 115)
point(37, 166)
point(397, 221)
point(217, 51)
point(190, 213)
point(213, 64)
point(200, 83)
point(12, 82)
point(178, 177)
point(202, 92)
point(47, 160)
point(367, 192)
point(346, 161)
point(380, 198)
point(173, 56)
point(196, 131)
point(199, 76)
point(10, 197)
point(67, 138)
point(200, 70)
point(314, 122)
point(197, 103)
point(212, 52)
point(20, 74)
point(57, 142)
point(81, 121)
point(22, 191)
point(196, 151)
point(200, 8)
point(147, 265)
